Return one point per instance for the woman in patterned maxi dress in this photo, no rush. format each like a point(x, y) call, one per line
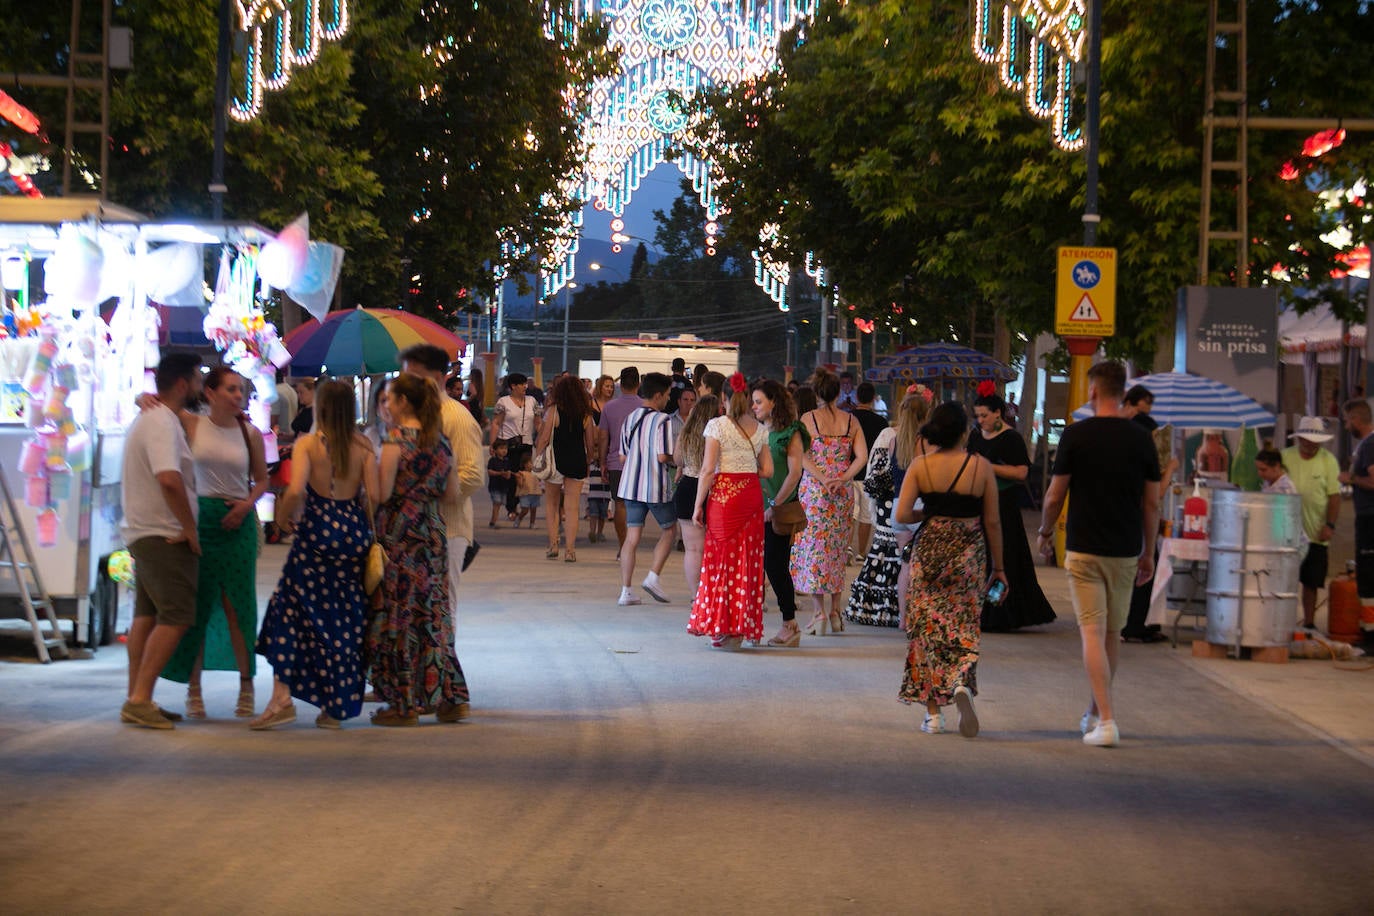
point(836, 455)
point(728, 605)
point(312, 632)
point(875, 597)
point(410, 653)
point(949, 568)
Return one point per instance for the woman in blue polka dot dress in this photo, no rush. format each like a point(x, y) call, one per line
point(312, 632)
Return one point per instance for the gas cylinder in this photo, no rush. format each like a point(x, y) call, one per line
point(1195, 515)
point(1343, 609)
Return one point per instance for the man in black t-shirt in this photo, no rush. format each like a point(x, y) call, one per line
point(1360, 477)
point(1104, 465)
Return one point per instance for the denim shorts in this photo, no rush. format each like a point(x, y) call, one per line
point(664, 513)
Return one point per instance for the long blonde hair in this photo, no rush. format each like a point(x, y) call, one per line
point(911, 416)
point(706, 409)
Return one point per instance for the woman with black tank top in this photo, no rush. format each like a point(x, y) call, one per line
point(568, 425)
point(949, 568)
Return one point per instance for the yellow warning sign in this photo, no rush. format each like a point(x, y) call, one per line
point(1085, 293)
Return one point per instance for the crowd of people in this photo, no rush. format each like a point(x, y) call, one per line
point(765, 484)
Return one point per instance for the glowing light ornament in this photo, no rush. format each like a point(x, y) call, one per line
point(281, 35)
point(120, 567)
point(1035, 45)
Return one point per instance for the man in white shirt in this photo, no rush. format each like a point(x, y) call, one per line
point(646, 484)
point(469, 459)
point(159, 527)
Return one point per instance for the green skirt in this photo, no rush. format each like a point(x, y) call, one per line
point(228, 569)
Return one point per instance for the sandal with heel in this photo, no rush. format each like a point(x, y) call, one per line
point(818, 625)
point(195, 703)
point(836, 622)
point(243, 709)
point(789, 637)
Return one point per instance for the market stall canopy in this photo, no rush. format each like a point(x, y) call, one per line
point(1194, 402)
point(937, 362)
point(363, 341)
point(1316, 331)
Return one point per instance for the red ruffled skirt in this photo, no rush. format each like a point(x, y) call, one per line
point(729, 601)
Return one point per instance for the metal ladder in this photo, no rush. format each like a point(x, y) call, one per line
point(22, 569)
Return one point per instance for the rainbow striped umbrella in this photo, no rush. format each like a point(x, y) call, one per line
point(363, 341)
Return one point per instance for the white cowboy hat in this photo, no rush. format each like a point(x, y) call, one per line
point(1312, 429)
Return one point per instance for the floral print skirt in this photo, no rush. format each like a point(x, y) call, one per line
point(949, 572)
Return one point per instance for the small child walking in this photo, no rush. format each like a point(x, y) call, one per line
point(529, 491)
point(598, 502)
point(498, 480)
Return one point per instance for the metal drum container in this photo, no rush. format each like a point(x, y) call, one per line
point(1252, 575)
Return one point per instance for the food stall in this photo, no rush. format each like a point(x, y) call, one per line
point(78, 336)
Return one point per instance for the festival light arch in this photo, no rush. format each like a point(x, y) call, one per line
point(669, 51)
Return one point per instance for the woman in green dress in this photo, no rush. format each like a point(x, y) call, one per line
point(231, 475)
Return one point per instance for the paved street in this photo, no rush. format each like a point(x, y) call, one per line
point(616, 765)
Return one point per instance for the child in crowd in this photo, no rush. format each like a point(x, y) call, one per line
point(1269, 466)
point(528, 490)
point(498, 479)
point(598, 502)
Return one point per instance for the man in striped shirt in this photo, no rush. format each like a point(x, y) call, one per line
point(646, 485)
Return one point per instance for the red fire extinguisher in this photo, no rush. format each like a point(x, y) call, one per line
point(1195, 515)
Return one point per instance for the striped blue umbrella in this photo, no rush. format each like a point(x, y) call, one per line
point(1194, 402)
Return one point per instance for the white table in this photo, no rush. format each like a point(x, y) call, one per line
point(1191, 556)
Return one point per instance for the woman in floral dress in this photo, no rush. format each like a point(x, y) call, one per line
point(410, 641)
point(949, 568)
point(728, 606)
point(875, 597)
point(837, 453)
point(312, 633)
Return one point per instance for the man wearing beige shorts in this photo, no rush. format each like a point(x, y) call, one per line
point(1103, 464)
point(159, 503)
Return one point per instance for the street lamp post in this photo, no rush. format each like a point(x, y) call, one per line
point(567, 308)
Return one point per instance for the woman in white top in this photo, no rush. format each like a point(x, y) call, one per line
point(728, 605)
point(231, 475)
point(514, 422)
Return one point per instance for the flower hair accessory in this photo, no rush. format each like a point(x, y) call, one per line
point(738, 384)
point(926, 394)
point(986, 388)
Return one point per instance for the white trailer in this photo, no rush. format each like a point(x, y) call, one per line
point(650, 353)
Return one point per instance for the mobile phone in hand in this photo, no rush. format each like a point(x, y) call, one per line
point(997, 592)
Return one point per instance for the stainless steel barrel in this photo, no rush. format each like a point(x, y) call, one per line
point(1252, 571)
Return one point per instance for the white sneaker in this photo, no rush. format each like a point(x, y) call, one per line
point(1087, 723)
point(1105, 734)
point(654, 591)
point(627, 600)
point(933, 725)
point(968, 719)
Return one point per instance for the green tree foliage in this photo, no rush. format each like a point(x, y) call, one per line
point(883, 146)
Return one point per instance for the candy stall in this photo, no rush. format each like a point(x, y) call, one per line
point(78, 340)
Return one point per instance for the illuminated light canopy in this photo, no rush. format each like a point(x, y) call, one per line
point(669, 51)
point(1035, 45)
point(281, 35)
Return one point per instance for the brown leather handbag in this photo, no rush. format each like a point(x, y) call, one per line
point(789, 518)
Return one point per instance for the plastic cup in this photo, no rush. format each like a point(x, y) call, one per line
point(32, 457)
point(267, 508)
point(47, 528)
point(59, 487)
point(36, 492)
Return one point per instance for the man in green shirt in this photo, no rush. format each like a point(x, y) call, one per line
point(1316, 474)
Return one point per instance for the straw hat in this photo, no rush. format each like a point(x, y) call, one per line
point(1312, 429)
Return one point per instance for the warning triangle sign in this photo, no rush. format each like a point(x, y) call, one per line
point(1085, 310)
